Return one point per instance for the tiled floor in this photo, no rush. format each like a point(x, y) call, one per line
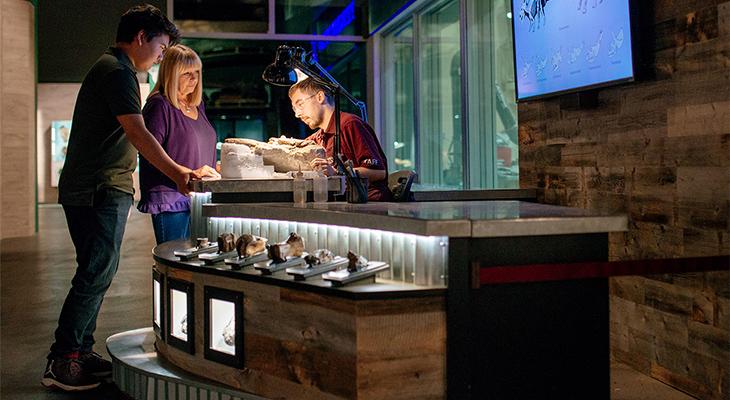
point(34, 277)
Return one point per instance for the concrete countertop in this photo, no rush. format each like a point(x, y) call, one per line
point(447, 218)
point(264, 185)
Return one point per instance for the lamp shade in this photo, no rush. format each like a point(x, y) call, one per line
point(281, 72)
point(279, 76)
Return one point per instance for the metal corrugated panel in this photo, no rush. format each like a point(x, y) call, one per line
point(416, 259)
point(143, 386)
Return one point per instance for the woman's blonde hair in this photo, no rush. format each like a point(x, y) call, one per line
point(177, 59)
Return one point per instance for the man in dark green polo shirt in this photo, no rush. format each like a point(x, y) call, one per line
point(95, 187)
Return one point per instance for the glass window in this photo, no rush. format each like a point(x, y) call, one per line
point(492, 132)
point(428, 135)
point(398, 96)
point(240, 104)
point(384, 12)
point(221, 15)
point(319, 17)
point(440, 144)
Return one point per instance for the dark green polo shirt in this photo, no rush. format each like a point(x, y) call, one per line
point(99, 154)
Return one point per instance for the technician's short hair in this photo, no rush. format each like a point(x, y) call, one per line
point(310, 86)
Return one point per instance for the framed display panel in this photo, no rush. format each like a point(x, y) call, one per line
point(223, 331)
point(60, 132)
point(158, 310)
point(180, 323)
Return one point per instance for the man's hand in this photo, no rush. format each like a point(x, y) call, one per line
point(150, 148)
point(206, 170)
point(182, 177)
point(322, 165)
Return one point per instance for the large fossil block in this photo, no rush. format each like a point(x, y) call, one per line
point(285, 154)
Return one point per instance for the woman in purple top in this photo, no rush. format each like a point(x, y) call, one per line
point(175, 115)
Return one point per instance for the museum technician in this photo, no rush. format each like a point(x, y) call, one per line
point(95, 187)
point(314, 105)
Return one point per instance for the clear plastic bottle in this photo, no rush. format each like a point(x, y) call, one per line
point(319, 187)
point(299, 188)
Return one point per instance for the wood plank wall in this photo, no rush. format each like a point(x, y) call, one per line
point(17, 118)
point(658, 150)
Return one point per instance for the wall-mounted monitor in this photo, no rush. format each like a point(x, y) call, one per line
point(562, 46)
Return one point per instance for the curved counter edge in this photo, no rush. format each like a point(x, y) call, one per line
point(493, 218)
point(381, 289)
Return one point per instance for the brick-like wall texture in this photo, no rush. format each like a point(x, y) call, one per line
point(657, 149)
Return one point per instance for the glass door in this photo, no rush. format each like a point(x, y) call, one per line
point(456, 128)
point(400, 135)
point(439, 101)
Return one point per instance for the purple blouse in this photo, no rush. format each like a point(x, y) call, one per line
point(188, 142)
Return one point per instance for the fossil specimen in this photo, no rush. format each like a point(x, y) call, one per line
point(356, 262)
point(319, 256)
point(293, 247)
point(229, 332)
point(248, 245)
point(226, 242)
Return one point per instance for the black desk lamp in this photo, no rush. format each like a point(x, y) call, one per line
point(281, 73)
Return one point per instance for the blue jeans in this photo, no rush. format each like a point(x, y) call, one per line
point(96, 232)
point(171, 225)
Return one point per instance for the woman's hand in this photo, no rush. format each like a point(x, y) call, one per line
point(322, 165)
point(206, 170)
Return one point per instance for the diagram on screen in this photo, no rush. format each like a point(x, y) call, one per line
point(557, 58)
point(575, 53)
point(593, 51)
point(616, 43)
point(526, 66)
point(534, 12)
point(540, 67)
point(583, 5)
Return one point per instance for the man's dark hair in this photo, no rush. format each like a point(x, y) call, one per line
point(310, 86)
point(145, 18)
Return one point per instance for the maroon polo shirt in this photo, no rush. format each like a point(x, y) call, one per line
point(359, 144)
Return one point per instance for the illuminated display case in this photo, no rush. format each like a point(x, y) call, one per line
point(323, 339)
point(180, 327)
point(223, 332)
point(158, 311)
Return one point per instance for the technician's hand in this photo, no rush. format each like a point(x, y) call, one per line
point(321, 164)
point(206, 170)
point(304, 143)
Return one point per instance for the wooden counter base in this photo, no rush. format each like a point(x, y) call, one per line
point(303, 345)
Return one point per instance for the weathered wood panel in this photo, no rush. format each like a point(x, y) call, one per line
point(302, 345)
point(658, 150)
point(402, 356)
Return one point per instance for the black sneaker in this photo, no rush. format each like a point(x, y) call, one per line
point(95, 365)
point(69, 375)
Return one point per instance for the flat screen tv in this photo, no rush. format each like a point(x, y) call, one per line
point(563, 46)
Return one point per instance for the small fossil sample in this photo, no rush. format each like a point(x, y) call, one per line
point(297, 245)
point(356, 262)
point(226, 242)
point(201, 242)
point(229, 332)
point(248, 245)
point(319, 256)
point(293, 247)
